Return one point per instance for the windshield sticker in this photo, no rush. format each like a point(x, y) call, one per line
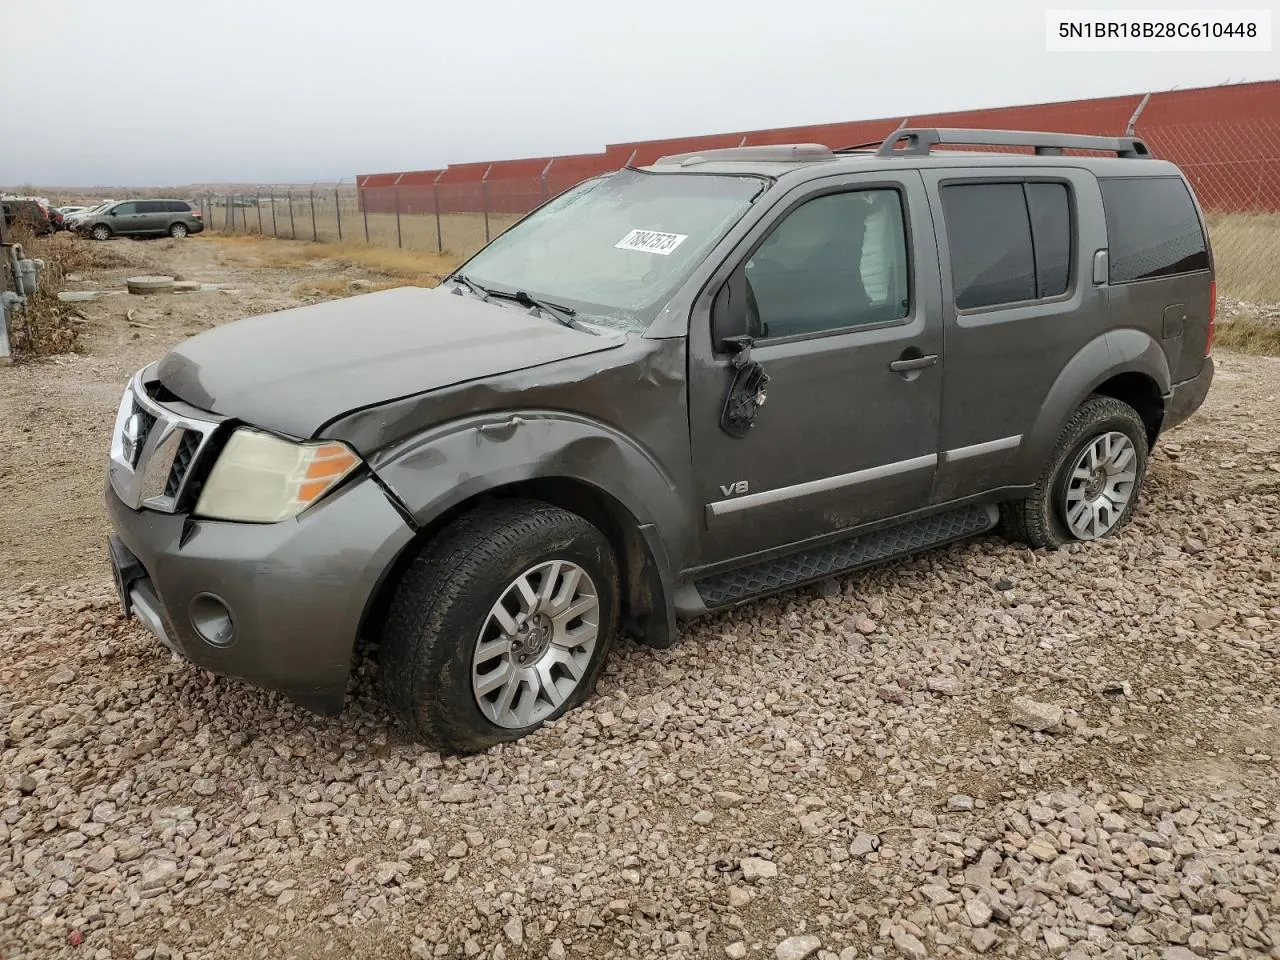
point(651, 241)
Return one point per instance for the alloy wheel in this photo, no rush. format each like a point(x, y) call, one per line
point(1100, 486)
point(536, 644)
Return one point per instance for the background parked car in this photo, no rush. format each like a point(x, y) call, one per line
point(27, 213)
point(142, 218)
point(74, 218)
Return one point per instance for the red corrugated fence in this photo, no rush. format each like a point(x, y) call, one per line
point(1226, 139)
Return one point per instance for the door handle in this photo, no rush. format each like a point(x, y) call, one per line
point(915, 363)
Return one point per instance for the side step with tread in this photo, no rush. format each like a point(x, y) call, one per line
point(783, 573)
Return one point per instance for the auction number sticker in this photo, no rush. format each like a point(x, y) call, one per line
point(651, 241)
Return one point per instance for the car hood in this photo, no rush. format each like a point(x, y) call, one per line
point(296, 370)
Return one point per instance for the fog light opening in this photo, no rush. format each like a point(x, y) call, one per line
point(212, 620)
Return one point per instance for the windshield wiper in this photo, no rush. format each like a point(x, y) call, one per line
point(471, 285)
point(562, 314)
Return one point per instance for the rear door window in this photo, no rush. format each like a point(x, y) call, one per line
point(1050, 210)
point(1009, 242)
point(1153, 229)
point(151, 206)
point(989, 235)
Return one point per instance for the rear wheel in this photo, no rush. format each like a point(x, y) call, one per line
point(1091, 485)
point(502, 623)
point(100, 231)
point(178, 231)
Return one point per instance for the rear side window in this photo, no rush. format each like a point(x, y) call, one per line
point(1152, 228)
point(151, 206)
point(1050, 211)
point(990, 240)
point(177, 206)
point(1009, 242)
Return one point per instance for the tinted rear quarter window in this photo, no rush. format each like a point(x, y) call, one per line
point(1152, 228)
point(990, 240)
point(178, 206)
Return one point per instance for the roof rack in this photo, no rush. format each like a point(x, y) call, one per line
point(923, 139)
point(784, 153)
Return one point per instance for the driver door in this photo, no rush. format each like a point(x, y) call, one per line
point(124, 218)
point(846, 320)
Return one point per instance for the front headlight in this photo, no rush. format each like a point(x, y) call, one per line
point(260, 478)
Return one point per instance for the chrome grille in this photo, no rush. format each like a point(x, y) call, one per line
point(146, 423)
point(155, 449)
point(182, 460)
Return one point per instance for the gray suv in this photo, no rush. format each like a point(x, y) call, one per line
point(142, 218)
point(668, 391)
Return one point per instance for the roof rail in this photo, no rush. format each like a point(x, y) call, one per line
point(785, 152)
point(923, 139)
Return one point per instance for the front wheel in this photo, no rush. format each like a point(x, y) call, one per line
point(503, 622)
point(100, 231)
point(1091, 485)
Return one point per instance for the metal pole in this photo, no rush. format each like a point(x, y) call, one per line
point(435, 194)
point(227, 221)
point(337, 209)
point(398, 243)
point(244, 214)
point(314, 236)
point(545, 171)
point(484, 199)
point(293, 227)
point(257, 202)
point(274, 229)
point(364, 211)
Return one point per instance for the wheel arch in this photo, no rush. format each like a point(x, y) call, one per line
point(577, 463)
point(1127, 365)
point(646, 608)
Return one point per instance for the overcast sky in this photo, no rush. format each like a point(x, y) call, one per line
point(157, 92)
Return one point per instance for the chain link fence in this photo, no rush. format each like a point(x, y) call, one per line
point(451, 218)
point(1234, 168)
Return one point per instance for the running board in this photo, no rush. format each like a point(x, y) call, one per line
point(783, 573)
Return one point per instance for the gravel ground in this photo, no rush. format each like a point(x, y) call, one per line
point(981, 750)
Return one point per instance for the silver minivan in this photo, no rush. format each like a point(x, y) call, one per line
point(142, 218)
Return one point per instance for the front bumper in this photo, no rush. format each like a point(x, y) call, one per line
point(1186, 397)
point(296, 591)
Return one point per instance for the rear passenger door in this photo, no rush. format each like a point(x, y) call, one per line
point(1016, 251)
point(153, 216)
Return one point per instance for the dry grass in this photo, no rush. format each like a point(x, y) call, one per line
point(329, 289)
point(44, 326)
point(1249, 333)
point(423, 267)
point(1246, 249)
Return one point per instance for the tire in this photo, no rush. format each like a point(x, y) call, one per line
point(1053, 516)
point(443, 610)
point(178, 231)
point(100, 231)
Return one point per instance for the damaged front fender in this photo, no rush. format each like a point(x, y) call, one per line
point(553, 454)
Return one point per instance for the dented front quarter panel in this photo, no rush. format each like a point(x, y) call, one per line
point(614, 420)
